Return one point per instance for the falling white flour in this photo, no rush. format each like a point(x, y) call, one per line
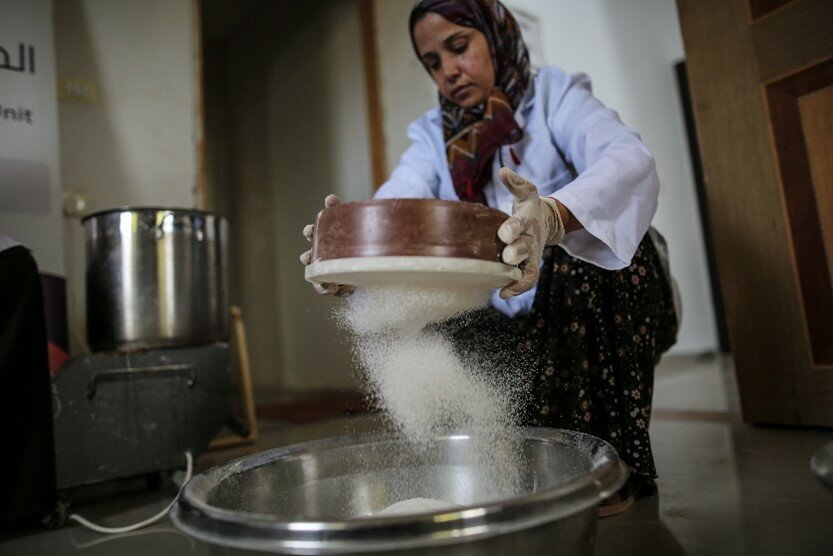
point(426, 390)
point(405, 311)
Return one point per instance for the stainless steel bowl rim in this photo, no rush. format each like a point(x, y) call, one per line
point(178, 210)
point(394, 532)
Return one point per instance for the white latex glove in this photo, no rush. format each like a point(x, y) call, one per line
point(535, 223)
point(306, 257)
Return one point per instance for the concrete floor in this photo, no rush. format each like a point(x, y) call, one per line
point(724, 487)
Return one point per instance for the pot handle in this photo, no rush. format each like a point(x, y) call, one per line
point(155, 371)
point(169, 224)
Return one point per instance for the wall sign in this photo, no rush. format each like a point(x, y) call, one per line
point(30, 207)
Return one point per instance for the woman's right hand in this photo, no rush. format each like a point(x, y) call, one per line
point(306, 257)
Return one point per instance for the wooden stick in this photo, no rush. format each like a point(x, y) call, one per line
point(245, 386)
point(245, 374)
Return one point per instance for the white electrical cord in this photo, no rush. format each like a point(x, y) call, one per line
point(112, 530)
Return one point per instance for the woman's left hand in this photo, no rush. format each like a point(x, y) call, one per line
point(535, 223)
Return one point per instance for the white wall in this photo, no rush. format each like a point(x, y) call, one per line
point(318, 119)
point(406, 90)
point(298, 131)
point(138, 144)
point(628, 49)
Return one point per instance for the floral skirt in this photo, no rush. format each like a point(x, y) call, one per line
point(587, 350)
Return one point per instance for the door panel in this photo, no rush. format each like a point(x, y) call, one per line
point(793, 37)
point(761, 76)
point(794, 104)
point(759, 8)
point(817, 119)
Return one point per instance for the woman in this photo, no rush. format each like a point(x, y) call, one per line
point(593, 310)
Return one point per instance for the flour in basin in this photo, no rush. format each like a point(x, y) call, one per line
point(416, 506)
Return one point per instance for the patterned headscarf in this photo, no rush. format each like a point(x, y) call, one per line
point(473, 135)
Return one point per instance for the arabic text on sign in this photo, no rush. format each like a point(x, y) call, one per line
point(6, 62)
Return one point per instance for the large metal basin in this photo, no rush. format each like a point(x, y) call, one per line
point(320, 497)
point(156, 277)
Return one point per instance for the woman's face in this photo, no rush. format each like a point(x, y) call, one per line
point(458, 59)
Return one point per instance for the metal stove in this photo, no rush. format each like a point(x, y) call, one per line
point(158, 382)
point(125, 414)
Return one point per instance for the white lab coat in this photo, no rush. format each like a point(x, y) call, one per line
point(614, 195)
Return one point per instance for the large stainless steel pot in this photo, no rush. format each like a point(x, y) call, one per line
point(156, 277)
point(320, 497)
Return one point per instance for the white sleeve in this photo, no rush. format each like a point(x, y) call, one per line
point(415, 176)
point(615, 194)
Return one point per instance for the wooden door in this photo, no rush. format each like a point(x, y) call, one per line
point(761, 76)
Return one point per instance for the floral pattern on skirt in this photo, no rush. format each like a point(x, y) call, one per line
point(587, 350)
